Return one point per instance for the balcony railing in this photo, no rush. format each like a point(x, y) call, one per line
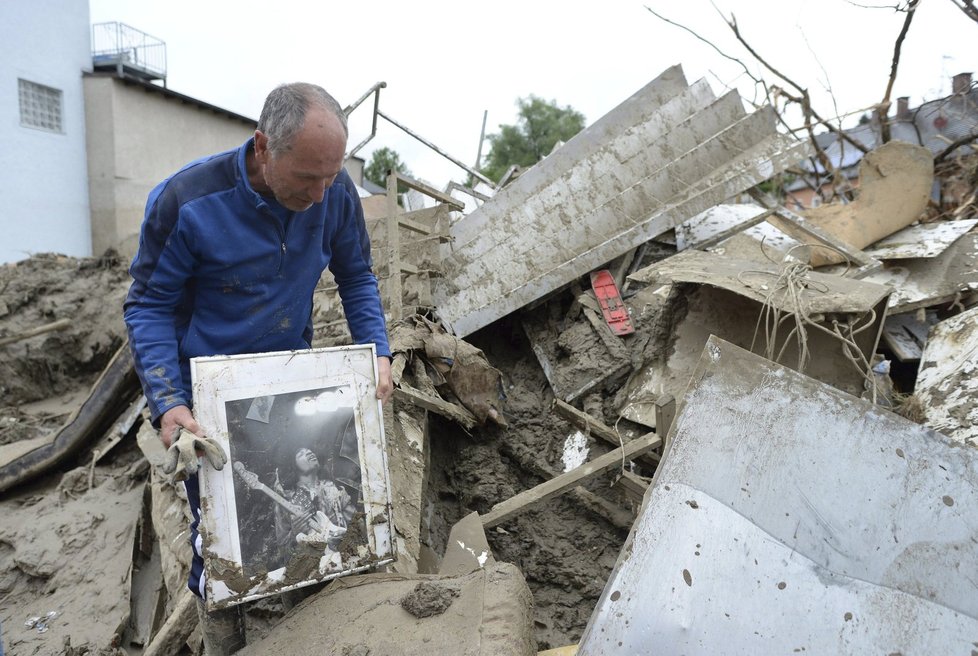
point(128, 51)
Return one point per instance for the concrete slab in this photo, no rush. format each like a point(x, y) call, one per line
point(789, 517)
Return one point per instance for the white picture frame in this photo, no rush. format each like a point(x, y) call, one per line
point(305, 496)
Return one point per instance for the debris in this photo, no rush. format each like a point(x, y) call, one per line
point(112, 393)
point(485, 612)
point(664, 155)
point(922, 240)
point(614, 311)
point(754, 539)
point(60, 324)
point(171, 637)
point(68, 554)
point(505, 510)
point(787, 314)
point(906, 335)
point(926, 282)
point(467, 548)
point(947, 383)
point(895, 183)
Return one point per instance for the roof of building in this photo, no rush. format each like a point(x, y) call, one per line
point(173, 95)
point(935, 124)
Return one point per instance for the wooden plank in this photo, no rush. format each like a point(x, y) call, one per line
point(513, 506)
point(585, 422)
point(60, 324)
point(428, 190)
point(394, 251)
point(665, 414)
point(172, 637)
point(412, 396)
point(633, 486)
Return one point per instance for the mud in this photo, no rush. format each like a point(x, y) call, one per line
point(565, 551)
point(428, 598)
point(67, 549)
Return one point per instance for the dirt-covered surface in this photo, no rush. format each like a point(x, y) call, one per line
point(43, 289)
point(565, 551)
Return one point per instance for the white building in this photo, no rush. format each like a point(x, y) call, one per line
point(44, 193)
point(88, 130)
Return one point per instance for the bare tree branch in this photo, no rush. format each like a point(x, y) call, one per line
point(963, 141)
point(709, 43)
point(802, 93)
point(883, 110)
point(968, 7)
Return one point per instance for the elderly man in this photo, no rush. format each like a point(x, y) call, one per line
point(230, 251)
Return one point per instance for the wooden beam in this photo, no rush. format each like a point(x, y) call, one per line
point(414, 397)
point(591, 426)
point(394, 290)
point(513, 506)
point(633, 486)
point(428, 190)
point(60, 324)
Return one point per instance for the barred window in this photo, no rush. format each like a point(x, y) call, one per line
point(40, 106)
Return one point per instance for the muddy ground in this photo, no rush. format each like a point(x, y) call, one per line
point(566, 551)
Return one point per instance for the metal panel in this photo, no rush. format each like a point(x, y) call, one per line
point(947, 383)
point(923, 240)
point(789, 517)
point(659, 158)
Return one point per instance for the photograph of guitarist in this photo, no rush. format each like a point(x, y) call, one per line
point(326, 508)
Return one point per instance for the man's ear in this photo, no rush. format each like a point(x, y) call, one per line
point(261, 145)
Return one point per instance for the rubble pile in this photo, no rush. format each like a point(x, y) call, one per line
point(621, 392)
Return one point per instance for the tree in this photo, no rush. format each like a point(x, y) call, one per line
point(383, 160)
point(540, 126)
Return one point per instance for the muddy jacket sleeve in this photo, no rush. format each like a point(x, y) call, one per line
point(161, 273)
point(351, 266)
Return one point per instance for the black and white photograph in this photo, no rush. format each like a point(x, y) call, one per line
point(297, 480)
point(305, 494)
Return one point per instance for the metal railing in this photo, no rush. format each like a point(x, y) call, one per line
point(128, 50)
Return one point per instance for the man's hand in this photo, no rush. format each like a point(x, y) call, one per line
point(179, 417)
point(385, 382)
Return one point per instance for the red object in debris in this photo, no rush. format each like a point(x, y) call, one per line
point(615, 312)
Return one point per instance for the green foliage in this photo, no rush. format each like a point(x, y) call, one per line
point(540, 126)
point(383, 160)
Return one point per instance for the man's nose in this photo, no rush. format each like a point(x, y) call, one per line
point(319, 190)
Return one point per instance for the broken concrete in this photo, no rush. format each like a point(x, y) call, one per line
point(790, 516)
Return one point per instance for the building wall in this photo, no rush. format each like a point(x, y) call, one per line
point(138, 137)
point(45, 191)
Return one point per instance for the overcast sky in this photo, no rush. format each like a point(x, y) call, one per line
point(446, 62)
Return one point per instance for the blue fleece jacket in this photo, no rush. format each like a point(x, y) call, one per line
point(221, 272)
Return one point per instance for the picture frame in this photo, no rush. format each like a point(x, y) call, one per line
point(305, 495)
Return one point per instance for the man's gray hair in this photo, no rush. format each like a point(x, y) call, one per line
point(285, 112)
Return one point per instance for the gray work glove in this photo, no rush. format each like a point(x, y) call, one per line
point(181, 459)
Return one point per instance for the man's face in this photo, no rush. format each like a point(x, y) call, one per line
point(306, 461)
point(299, 176)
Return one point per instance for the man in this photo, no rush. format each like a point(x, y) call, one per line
point(230, 251)
point(312, 495)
